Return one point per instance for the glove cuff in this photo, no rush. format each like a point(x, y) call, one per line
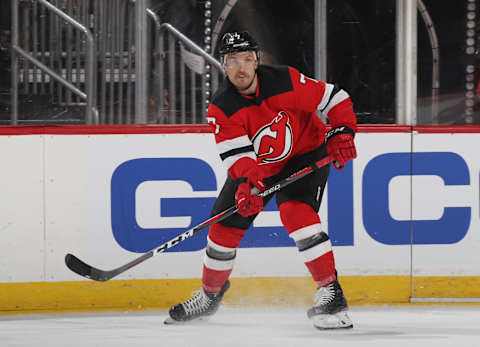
point(343, 129)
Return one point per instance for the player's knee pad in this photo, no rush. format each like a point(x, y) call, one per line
point(308, 238)
point(316, 250)
point(217, 266)
point(225, 236)
point(219, 258)
point(220, 253)
point(296, 215)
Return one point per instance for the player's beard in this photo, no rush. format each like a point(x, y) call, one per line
point(245, 86)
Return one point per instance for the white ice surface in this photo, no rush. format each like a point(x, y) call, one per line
point(411, 326)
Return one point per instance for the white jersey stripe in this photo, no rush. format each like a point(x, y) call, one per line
point(326, 96)
point(238, 142)
point(337, 98)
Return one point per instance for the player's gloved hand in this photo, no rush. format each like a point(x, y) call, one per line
point(340, 146)
point(253, 177)
point(248, 204)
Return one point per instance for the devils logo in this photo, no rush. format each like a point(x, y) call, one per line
point(273, 142)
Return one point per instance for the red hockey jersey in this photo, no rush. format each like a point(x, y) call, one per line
point(279, 122)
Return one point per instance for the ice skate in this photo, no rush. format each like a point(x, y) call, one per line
point(330, 310)
point(201, 306)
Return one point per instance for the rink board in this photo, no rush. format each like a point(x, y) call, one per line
point(402, 218)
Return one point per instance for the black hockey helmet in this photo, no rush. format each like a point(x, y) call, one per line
point(235, 42)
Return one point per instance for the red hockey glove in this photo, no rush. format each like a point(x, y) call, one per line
point(253, 177)
point(340, 146)
point(246, 169)
point(247, 203)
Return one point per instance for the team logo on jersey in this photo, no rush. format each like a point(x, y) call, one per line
point(273, 142)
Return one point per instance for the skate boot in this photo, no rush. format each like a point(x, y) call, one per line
point(330, 310)
point(201, 306)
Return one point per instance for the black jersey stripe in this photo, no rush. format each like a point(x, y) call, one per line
point(236, 151)
point(335, 90)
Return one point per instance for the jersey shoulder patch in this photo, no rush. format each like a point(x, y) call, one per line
point(274, 80)
point(227, 100)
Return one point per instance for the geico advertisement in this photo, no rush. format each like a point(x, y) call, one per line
point(390, 211)
point(133, 197)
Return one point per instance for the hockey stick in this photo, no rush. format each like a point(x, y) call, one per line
point(88, 271)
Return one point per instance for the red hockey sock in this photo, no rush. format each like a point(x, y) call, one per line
point(322, 269)
point(303, 226)
point(213, 280)
point(219, 256)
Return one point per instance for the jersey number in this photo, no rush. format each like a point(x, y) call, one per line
point(303, 79)
point(212, 120)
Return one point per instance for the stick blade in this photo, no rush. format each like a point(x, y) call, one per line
point(83, 269)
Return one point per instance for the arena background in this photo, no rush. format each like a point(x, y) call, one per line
point(88, 86)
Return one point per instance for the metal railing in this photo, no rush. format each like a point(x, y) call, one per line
point(199, 63)
point(33, 56)
point(115, 27)
point(44, 32)
point(432, 35)
point(82, 53)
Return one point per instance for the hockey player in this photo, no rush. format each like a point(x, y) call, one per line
point(265, 127)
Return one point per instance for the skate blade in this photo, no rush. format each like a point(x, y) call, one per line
point(200, 320)
point(170, 321)
point(338, 320)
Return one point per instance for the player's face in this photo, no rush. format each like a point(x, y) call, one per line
point(240, 69)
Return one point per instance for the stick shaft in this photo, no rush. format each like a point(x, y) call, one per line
point(88, 271)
